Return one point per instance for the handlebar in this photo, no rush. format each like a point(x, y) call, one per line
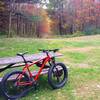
point(43, 50)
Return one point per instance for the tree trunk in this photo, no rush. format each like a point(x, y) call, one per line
point(9, 30)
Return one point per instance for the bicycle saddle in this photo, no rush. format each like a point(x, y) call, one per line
point(21, 54)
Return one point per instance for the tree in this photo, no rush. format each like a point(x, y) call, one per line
point(3, 18)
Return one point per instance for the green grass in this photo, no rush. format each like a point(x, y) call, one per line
point(84, 66)
point(76, 57)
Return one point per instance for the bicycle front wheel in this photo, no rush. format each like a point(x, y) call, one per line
point(57, 75)
point(9, 84)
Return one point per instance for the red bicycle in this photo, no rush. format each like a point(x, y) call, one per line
point(17, 83)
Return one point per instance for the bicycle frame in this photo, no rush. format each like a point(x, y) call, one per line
point(26, 68)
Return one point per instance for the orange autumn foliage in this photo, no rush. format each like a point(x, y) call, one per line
point(45, 23)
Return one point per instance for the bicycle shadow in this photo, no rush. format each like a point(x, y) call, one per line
point(42, 85)
point(1, 94)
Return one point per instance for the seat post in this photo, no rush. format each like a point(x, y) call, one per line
point(24, 59)
point(22, 55)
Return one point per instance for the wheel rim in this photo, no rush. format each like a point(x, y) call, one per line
point(57, 75)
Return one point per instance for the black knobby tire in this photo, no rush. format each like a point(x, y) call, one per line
point(56, 77)
point(9, 87)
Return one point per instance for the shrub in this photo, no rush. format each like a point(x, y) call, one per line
point(2, 33)
point(77, 34)
point(92, 31)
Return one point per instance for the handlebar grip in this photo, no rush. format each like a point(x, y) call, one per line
point(40, 49)
point(56, 50)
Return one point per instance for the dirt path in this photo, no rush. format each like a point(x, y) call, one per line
point(90, 89)
point(77, 49)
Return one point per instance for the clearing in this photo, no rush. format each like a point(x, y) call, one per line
point(81, 55)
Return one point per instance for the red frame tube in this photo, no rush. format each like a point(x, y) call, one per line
point(26, 68)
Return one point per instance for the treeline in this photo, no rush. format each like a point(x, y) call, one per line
point(24, 18)
point(43, 18)
point(70, 16)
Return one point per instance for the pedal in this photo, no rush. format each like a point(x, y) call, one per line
point(36, 84)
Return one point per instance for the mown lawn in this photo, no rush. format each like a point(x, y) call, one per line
point(81, 55)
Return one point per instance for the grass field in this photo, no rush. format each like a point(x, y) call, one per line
point(81, 55)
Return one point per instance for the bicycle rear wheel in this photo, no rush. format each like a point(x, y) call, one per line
point(10, 87)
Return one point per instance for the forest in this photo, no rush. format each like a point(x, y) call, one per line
point(47, 18)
